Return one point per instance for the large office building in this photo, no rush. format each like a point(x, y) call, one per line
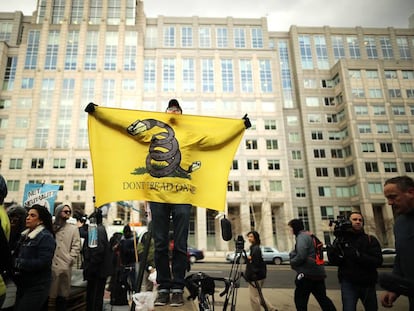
point(332, 108)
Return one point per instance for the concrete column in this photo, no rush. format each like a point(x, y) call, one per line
point(244, 219)
point(201, 228)
point(266, 232)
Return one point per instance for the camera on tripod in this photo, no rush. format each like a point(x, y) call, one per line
point(239, 243)
point(342, 227)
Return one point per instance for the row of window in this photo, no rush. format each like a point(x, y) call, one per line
point(39, 163)
point(358, 92)
point(376, 109)
point(388, 74)
point(77, 185)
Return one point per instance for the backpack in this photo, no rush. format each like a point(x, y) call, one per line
point(318, 245)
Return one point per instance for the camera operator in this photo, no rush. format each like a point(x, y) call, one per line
point(357, 256)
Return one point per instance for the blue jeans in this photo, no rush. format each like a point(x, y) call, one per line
point(170, 280)
point(352, 292)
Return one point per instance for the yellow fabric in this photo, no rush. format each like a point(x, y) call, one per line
point(121, 162)
point(5, 224)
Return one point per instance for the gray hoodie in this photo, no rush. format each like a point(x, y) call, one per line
point(302, 259)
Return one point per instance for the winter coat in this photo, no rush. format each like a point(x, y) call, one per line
point(5, 226)
point(97, 262)
point(66, 253)
point(33, 257)
point(302, 259)
point(255, 267)
point(357, 258)
point(404, 242)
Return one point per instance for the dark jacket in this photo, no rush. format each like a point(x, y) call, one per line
point(98, 260)
point(404, 245)
point(34, 256)
point(256, 267)
point(127, 251)
point(357, 258)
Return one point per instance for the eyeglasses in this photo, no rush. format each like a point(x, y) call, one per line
point(67, 212)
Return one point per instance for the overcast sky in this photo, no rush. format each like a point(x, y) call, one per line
point(280, 13)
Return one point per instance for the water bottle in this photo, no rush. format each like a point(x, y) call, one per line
point(92, 235)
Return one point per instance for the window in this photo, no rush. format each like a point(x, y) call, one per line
point(370, 47)
point(72, 44)
point(324, 191)
point(372, 74)
point(319, 153)
point(227, 75)
point(270, 124)
point(358, 93)
point(52, 50)
point(79, 185)
point(37, 163)
point(111, 50)
point(305, 52)
point(91, 50)
point(168, 74)
point(204, 37)
point(13, 185)
point(312, 101)
point(386, 48)
point(367, 147)
point(390, 167)
point(371, 167)
point(271, 144)
point(273, 165)
point(149, 74)
point(298, 173)
point(404, 48)
point(27, 83)
point(275, 186)
point(300, 192)
point(338, 47)
point(364, 128)
point(386, 147)
point(293, 137)
point(353, 47)
point(321, 171)
point(188, 81)
point(59, 182)
point(354, 74)
point(235, 165)
point(379, 110)
point(327, 212)
point(169, 36)
point(81, 163)
point(409, 93)
point(407, 74)
point(375, 93)
point(233, 185)
point(398, 110)
point(402, 128)
point(253, 185)
point(375, 188)
point(321, 51)
point(246, 76)
point(251, 144)
point(409, 167)
point(59, 163)
point(296, 155)
point(239, 38)
point(383, 129)
point(130, 50)
point(252, 164)
point(33, 40)
point(186, 36)
point(16, 164)
point(361, 110)
point(342, 192)
point(265, 74)
point(337, 153)
point(406, 147)
point(317, 135)
point(339, 171)
point(222, 37)
point(394, 93)
point(257, 38)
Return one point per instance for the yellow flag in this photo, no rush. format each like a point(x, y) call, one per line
point(160, 157)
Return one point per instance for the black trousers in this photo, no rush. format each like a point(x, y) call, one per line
point(305, 287)
point(95, 290)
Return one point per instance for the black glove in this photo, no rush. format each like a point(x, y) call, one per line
point(247, 123)
point(90, 108)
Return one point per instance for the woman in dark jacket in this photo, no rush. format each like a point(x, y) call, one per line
point(33, 260)
point(256, 273)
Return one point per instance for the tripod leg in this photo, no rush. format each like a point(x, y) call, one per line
point(262, 300)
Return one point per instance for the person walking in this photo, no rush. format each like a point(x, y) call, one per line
point(357, 255)
point(33, 261)
point(97, 264)
point(66, 254)
point(255, 274)
point(310, 278)
point(399, 192)
point(5, 260)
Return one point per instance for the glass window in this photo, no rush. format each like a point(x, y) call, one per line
point(222, 37)
point(59, 163)
point(327, 212)
point(10, 73)
point(37, 163)
point(257, 38)
point(111, 49)
point(252, 164)
point(188, 82)
point(76, 12)
point(272, 144)
point(371, 47)
point(375, 188)
point(130, 50)
point(371, 167)
point(169, 36)
point(296, 155)
point(95, 12)
point(265, 72)
point(32, 51)
point(404, 48)
point(251, 144)
point(227, 75)
point(233, 185)
point(353, 47)
point(72, 44)
point(16, 164)
point(386, 48)
point(5, 31)
point(367, 147)
point(186, 36)
point(338, 47)
point(204, 37)
point(91, 50)
point(321, 52)
point(79, 185)
point(305, 52)
point(273, 164)
point(253, 185)
point(168, 74)
point(239, 38)
point(372, 74)
point(207, 75)
point(275, 186)
point(270, 124)
point(58, 10)
point(406, 147)
point(149, 74)
point(246, 76)
point(114, 12)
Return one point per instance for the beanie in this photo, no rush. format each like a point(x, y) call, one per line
point(3, 189)
point(174, 103)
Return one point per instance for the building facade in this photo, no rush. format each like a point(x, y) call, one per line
point(332, 109)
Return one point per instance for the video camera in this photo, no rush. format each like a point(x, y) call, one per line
point(342, 227)
point(239, 244)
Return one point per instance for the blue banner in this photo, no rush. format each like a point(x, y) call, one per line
point(41, 194)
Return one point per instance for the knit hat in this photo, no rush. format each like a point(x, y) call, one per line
point(174, 103)
point(59, 220)
point(3, 189)
point(297, 225)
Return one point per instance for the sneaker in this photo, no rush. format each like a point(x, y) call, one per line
point(177, 299)
point(163, 298)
